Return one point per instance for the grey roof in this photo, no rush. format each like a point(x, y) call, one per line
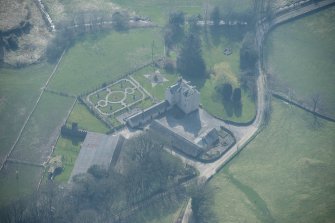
point(183, 87)
point(97, 149)
point(149, 111)
point(211, 137)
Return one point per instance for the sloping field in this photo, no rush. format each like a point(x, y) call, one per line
point(42, 129)
point(300, 57)
point(93, 61)
point(19, 89)
point(285, 175)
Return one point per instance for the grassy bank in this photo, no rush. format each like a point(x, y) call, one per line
point(284, 175)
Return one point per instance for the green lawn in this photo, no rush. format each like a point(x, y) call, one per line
point(157, 91)
point(158, 10)
point(94, 61)
point(41, 130)
point(13, 186)
point(285, 175)
point(69, 150)
point(86, 120)
point(225, 69)
point(300, 55)
point(19, 89)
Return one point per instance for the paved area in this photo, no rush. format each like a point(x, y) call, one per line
point(97, 149)
point(196, 124)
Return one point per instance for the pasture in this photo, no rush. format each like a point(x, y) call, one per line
point(96, 60)
point(300, 57)
point(42, 129)
point(284, 175)
point(19, 89)
point(158, 11)
point(17, 181)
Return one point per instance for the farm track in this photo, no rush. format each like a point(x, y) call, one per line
point(31, 113)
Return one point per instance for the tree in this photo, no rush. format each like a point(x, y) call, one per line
point(202, 199)
point(215, 16)
point(237, 95)
point(190, 61)
point(120, 21)
point(226, 91)
point(248, 53)
point(174, 30)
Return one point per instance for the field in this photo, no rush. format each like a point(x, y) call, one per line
point(96, 60)
point(300, 56)
point(41, 131)
point(17, 180)
point(158, 11)
point(285, 175)
point(19, 89)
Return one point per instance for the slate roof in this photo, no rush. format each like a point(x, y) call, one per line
point(211, 137)
point(97, 149)
point(149, 111)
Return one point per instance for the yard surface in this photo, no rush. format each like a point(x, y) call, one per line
point(284, 175)
point(69, 150)
point(300, 56)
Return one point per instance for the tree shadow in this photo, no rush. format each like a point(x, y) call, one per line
point(198, 81)
point(238, 109)
point(216, 34)
point(74, 140)
point(228, 107)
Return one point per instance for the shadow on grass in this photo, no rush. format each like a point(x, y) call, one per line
point(74, 140)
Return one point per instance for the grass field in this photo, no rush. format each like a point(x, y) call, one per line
point(86, 120)
point(19, 89)
point(159, 212)
point(41, 130)
point(300, 55)
point(13, 186)
point(225, 69)
point(93, 61)
point(285, 175)
point(158, 11)
point(69, 150)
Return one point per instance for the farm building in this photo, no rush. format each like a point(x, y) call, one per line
point(97, 149)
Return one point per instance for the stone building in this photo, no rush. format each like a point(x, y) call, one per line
point(185, 96)
point(181, 94)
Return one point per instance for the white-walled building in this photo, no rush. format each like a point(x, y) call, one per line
point(185, 96)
